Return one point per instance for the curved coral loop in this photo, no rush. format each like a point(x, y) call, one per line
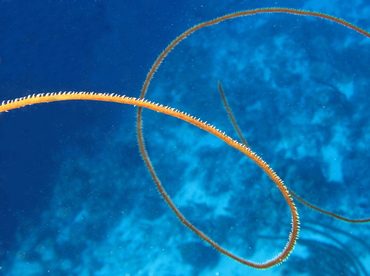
point(295, 225)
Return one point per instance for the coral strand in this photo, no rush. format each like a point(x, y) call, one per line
point(65, 96)
point(244, 141)
point(141, 140)
point(217, 20)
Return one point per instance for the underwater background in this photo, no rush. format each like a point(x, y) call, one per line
point(75, 195)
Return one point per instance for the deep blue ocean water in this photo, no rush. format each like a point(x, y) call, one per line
point(75, 196)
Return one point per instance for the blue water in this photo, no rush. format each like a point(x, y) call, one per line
point(75, 196)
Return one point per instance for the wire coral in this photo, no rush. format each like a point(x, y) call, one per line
point(142, 103)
